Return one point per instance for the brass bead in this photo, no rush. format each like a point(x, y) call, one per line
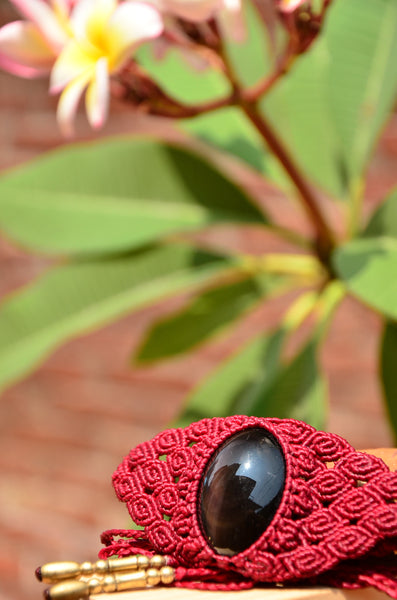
point(157, 561)
point(127, 563)
point(153, 577)
point(87, 568)
point(100, 567)
point(167, 575)
point(130, 580)
point(57, 571)
point(72, 590)
point(142, 561)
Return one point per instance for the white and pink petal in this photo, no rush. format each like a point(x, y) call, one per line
point(131, 24)
point(288, 6)
point(64, 7)
point(41, 14)
point(69, 101)
point(10, 66)
point(74, 61)
point(232, 20)
point(191, 10)
point(90, 17)
point(24, 51)
point(97, 95)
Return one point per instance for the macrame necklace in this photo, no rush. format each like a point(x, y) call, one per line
point(237, 501)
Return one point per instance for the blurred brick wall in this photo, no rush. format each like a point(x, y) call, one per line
point(65, 428)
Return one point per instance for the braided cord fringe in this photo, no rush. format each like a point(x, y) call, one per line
point(338, 506)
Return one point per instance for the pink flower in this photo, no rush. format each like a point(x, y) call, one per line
point(288, 6)
point(228, 12)
point(81, 42)
point(192, 10)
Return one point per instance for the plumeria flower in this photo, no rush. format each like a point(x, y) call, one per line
point(228, 12)
point(81, 43)
point(104, 34)
point(194, 10)
point(288, 6)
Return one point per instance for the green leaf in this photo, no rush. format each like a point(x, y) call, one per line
point(330, 108)
point(297, 391)
point(298, 109)
point(388, 368)
point(206, 316)
point(255, 381)
point(342, 90)
point(80, 297)
point(116, 195)
point(384, 220)
point(250, 58)
point(224, 391)
point(368, 268)
point(362, 39)
point(229, 130)
point(181, 79)
point(369, 264)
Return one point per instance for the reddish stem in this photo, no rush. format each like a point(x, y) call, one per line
point(325, 240)
point(263, 87)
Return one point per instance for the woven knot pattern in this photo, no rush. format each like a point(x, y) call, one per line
point(337, 504)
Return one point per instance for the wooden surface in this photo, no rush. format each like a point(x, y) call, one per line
point(389, 455)
point(320, 593)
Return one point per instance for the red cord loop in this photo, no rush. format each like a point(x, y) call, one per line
point(336, 523)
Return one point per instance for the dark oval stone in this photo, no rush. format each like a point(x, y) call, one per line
point(241, 489)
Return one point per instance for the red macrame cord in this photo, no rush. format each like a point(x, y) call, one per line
point(336, 524)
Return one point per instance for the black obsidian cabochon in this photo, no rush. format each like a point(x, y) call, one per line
point(241, 489)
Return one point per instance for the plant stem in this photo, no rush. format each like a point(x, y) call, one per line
point(177, 110)
point(292, 264)
point(290, 236)
point(263, 87)
point(324, 238)
point(327, 304)
point(299, 311)
point(304, 266)
point(356, 200)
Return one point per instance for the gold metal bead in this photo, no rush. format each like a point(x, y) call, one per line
point(71, 590)
point(58, 570)
point(130, 581)
point(153, 577)
point(167, 575)
point(157, 561)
